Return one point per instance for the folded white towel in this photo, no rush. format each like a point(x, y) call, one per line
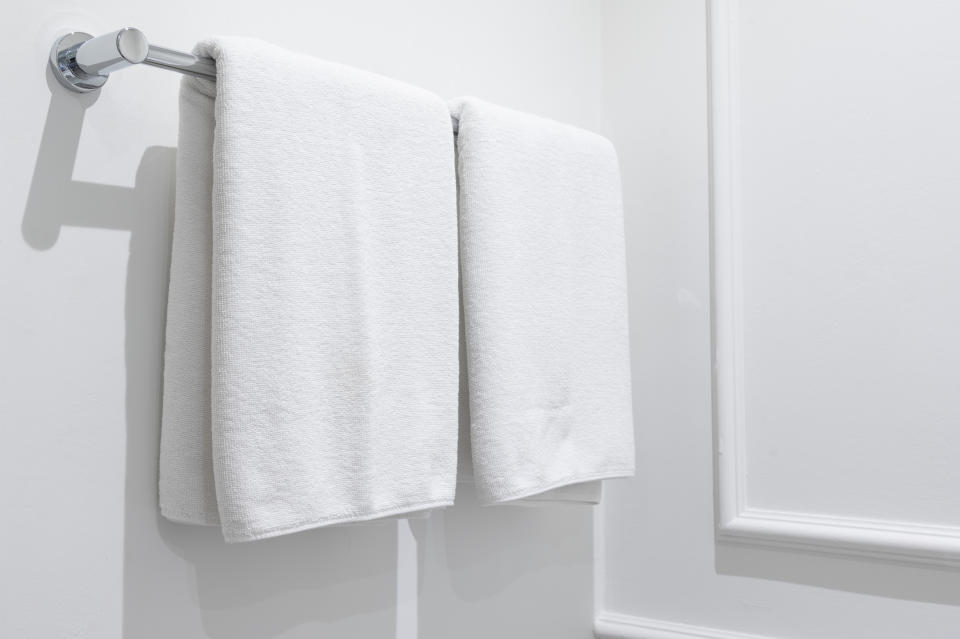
point(311, 356)
point(544, 298)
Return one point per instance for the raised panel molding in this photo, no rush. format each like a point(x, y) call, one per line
point(736, 522)
point(616, 626)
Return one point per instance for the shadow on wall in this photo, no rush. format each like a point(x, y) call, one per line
point(895, 580)
point(505, 571)
point(469, 571)
point(251, 590)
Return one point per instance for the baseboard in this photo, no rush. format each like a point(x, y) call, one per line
point(611, 625)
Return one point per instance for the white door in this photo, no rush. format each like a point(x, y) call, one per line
point(792, 180)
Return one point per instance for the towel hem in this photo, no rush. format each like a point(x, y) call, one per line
point(180, 517)
point(288, 529)
point(527, 491)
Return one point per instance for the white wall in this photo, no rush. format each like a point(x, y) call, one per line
point(834, 156)
point(833, 150)
point(84, 241)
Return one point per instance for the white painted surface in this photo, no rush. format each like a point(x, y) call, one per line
point(84, 241)
point(850, 282)
point(616, 626)
point(834, 161)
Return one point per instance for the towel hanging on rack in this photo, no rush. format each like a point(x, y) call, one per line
point(545, 306)
point(312, 333)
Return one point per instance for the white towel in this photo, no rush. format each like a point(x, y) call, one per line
point(312, 329)
point(544, 298)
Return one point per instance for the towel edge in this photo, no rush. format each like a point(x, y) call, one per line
point(320, 522)
point(527, 491)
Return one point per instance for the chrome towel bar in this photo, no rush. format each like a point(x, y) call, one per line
point(83, 63)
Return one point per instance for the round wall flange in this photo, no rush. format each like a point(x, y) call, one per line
point(63, 63)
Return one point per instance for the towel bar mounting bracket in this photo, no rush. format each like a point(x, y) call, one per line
point(63, 62)
point(82, 62)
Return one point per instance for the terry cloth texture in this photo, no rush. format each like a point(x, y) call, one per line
point(312, 329)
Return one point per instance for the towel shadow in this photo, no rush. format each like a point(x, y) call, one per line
point(484, 571)
point(311, 580)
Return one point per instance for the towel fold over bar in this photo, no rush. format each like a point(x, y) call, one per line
point(83, 63)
